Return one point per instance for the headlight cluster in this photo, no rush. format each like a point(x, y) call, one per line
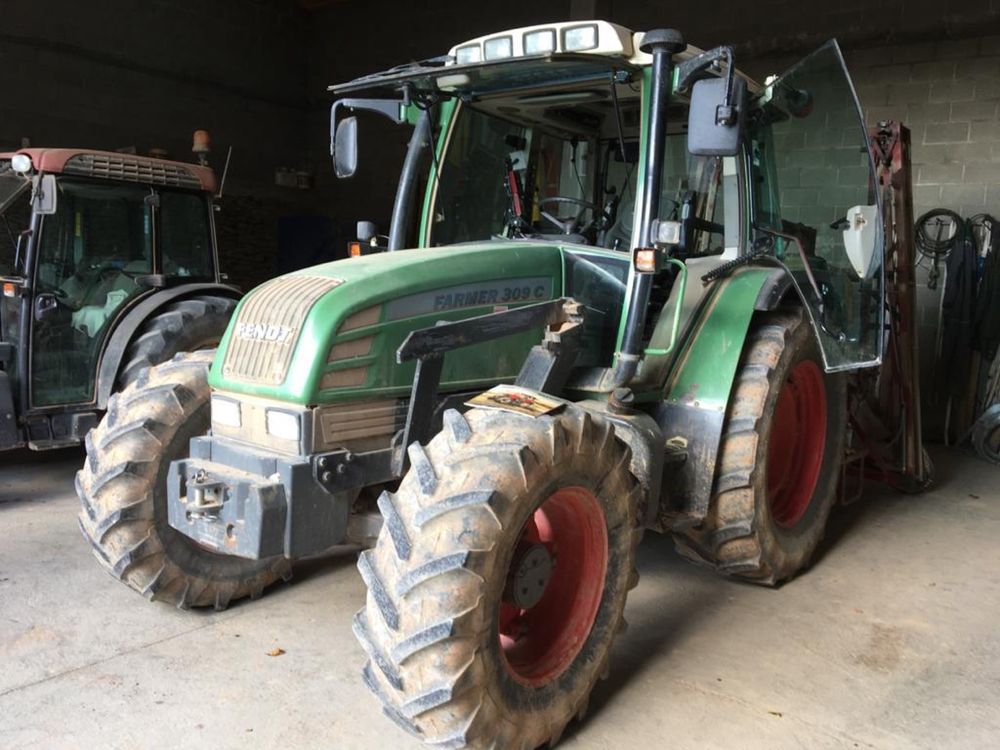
point(280, 424)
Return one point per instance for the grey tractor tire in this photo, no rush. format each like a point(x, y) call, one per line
point(122, 489)
point(186, 325)
point(740, 536)
point(437, 574)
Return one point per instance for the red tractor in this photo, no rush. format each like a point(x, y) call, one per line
point(108, 265)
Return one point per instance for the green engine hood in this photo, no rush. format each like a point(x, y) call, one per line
point(330, 333)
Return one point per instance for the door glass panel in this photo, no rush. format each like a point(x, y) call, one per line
point(90, 253)
point(598, 283)
point(15, 221)
point(815, 183)
point(185, 236)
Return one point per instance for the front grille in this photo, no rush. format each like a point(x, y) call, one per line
point(132, 169)
point(268, 325)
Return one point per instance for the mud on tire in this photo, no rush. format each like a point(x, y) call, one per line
point(438, 582)
point(122, 488)
point(758, 527)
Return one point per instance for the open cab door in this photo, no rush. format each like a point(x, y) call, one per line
point(816, 204)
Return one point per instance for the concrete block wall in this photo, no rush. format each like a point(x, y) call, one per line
point(948, 93)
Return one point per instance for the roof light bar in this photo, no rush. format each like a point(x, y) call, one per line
point(580, 38)
point(498, 47)
point(596, 37)
point(539, 42)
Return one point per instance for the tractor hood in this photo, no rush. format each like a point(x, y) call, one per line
point(330, 333)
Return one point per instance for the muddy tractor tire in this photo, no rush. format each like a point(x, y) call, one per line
point(187, 325)
point(123, 491)
point(779, 459)
point(499, 578)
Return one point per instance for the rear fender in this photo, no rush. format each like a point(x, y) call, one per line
point(698, 388)
point(126, 328)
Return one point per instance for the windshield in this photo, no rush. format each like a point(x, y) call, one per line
point(551, 165)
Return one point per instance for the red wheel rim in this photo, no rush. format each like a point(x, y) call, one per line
point(540, 642)
point(798, 438)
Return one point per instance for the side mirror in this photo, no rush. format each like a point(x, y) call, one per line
point(43, 194)
point(345, 147)
point(715, 121)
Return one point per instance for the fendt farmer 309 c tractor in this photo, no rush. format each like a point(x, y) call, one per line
point(679, 288)
point(108, 265)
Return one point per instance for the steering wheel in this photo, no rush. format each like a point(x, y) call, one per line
point(569, 226)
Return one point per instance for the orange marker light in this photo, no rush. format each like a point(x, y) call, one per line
point(354, 249)
point(9, 290)
point(646, 260)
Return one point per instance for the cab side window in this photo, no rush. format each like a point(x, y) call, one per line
point(185, 236)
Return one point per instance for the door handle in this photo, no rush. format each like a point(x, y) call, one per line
point(45, 304)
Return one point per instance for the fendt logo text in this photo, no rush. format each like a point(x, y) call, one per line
point(264, 332)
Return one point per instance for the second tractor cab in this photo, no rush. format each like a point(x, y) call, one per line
point(108, 264)
point(643, 292)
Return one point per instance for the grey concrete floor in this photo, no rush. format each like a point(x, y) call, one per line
point(890, 641)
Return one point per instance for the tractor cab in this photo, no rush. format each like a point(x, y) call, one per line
point(85, 236)
point(568, 134)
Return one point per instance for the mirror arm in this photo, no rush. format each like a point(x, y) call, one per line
point(690, 70)
point(390, 108)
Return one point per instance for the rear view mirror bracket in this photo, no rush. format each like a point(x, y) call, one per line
point(689, 71)
point(344, 135)
point(718, 109)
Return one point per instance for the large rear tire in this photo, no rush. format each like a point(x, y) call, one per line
point(123, 491)
point(499, 578)
point(186, 325)
point(779, 460)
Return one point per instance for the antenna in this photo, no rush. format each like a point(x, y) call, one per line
point(225, 171)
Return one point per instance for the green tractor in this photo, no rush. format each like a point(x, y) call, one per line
point(108, 264)
point(645, 293)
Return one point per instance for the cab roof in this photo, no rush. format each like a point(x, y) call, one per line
point(111, 165)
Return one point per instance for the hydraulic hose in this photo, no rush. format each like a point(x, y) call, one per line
point(930, 242)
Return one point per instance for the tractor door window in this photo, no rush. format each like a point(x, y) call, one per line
point(598, 282)
point(814, 181)
point(90, 253)
point(186, 237)
point(15, 220)
point(697, 186)
point(15, 216)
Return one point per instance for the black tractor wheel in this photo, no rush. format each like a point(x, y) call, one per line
point(123, 490)
point(499, 578)
point(187, 325)
point(779, 460)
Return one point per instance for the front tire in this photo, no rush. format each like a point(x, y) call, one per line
point(499, 578)
point(123, 493)
point(779, 460)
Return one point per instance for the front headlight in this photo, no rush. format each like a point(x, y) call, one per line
point(283, 424)
point(226, 412)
